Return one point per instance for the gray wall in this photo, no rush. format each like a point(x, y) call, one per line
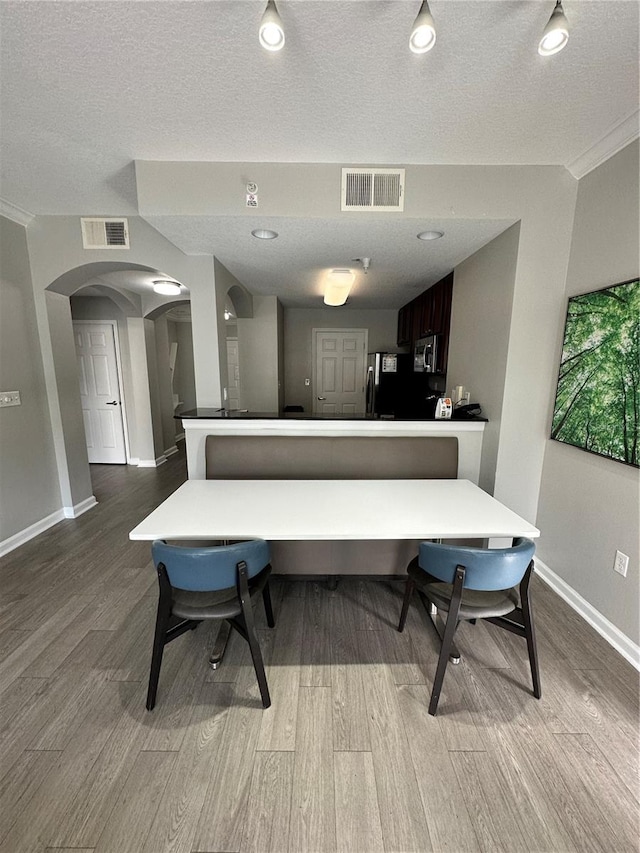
point(258, 348)
point(29, 489)
point(183, 378)
point(590, 506)
point(298, 326)
point(479, 343)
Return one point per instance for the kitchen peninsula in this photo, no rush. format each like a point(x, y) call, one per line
point(200, 423)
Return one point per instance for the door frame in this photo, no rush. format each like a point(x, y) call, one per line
point(122, 407)
point(314, 354)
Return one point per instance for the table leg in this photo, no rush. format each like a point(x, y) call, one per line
point(220, 645)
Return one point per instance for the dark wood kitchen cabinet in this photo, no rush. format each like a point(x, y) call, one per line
point(428, 314)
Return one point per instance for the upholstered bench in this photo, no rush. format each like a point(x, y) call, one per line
point(231, 457)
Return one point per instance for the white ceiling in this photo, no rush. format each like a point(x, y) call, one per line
point(88, 87)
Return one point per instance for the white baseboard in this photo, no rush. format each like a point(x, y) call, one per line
point(77, 509)
point(152, 463)
point(614, 636)
point(170, 451)
point(30, 532)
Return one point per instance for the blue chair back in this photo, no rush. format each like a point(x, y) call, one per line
point(487, 569)
point(212, 568)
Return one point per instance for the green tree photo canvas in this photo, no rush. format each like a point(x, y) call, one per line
point(597, 404)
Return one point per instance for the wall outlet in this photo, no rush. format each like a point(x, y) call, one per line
point(621, 564)
point(10, 398)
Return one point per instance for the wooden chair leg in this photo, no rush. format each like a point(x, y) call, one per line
point(447, 640)
point(408, 592)
point(529, 632)
point(159, 640)
point(266, 598)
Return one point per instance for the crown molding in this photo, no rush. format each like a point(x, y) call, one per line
point(15, 213)
point(613, 141)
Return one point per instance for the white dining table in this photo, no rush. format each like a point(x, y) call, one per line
point(331, 509)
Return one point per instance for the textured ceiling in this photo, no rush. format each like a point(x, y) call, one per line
point(87, 87)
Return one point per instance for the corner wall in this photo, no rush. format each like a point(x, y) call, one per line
point(479, 338)
point(29, 489)
point(590, 506)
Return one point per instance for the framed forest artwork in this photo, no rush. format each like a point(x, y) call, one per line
point(597, 405)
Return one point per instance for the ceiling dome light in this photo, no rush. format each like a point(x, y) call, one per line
point(271, 33)
point(430, 235)
point(338, 287)
point(167, 288)
point(264, 234)
point(423, 34)
point(556, 33)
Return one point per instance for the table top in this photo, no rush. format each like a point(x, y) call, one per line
point(331, 510)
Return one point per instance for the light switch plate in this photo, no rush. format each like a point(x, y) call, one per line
point(9, 398)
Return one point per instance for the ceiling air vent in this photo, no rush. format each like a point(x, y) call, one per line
point(104, 233)
point(373, 189)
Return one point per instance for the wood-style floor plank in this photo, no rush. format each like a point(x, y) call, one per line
point(347, 758)
point(312, 827)
point(358, 826)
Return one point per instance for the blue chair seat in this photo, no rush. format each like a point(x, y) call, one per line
point(475, 583)
point(210, 582)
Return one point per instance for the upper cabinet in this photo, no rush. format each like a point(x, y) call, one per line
point(428, 314)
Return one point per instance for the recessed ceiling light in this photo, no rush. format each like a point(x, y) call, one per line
point(167, 288)
point(264, 234)
point(430, 235)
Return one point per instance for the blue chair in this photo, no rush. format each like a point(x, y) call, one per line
point(214, 582)
point(475, 583)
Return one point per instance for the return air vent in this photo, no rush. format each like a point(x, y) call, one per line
point(105, 233)
point(373, 189)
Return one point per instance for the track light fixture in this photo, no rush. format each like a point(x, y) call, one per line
point(556, 33)
point(271, 32)
point(423, 34)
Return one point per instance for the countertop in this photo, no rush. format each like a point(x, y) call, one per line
point(223, 414)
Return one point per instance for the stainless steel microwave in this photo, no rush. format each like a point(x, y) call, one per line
point(425, 354)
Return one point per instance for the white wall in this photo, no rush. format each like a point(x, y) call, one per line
point(298, 357)
point(29, 489)
point(590, 506)
point(479, 340)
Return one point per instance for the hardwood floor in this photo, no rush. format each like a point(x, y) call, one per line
point(346, 759)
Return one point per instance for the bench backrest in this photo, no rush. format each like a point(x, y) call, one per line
point(274, 457)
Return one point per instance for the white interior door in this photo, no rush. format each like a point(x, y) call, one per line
point(100, 392)
point(339, 371)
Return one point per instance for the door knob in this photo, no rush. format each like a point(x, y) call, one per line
point(322, 398)
point(113, 403)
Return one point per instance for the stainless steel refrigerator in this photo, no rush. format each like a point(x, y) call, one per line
point(395, 390)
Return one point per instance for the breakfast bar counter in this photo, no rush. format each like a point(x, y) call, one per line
point(199, 423)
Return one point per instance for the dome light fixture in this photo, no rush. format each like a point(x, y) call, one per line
point(167, 288)
point(271, 32)
point(430, 235)
point(423, 34)
point(264, 234)
point(556, 33)
point(338, 287)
